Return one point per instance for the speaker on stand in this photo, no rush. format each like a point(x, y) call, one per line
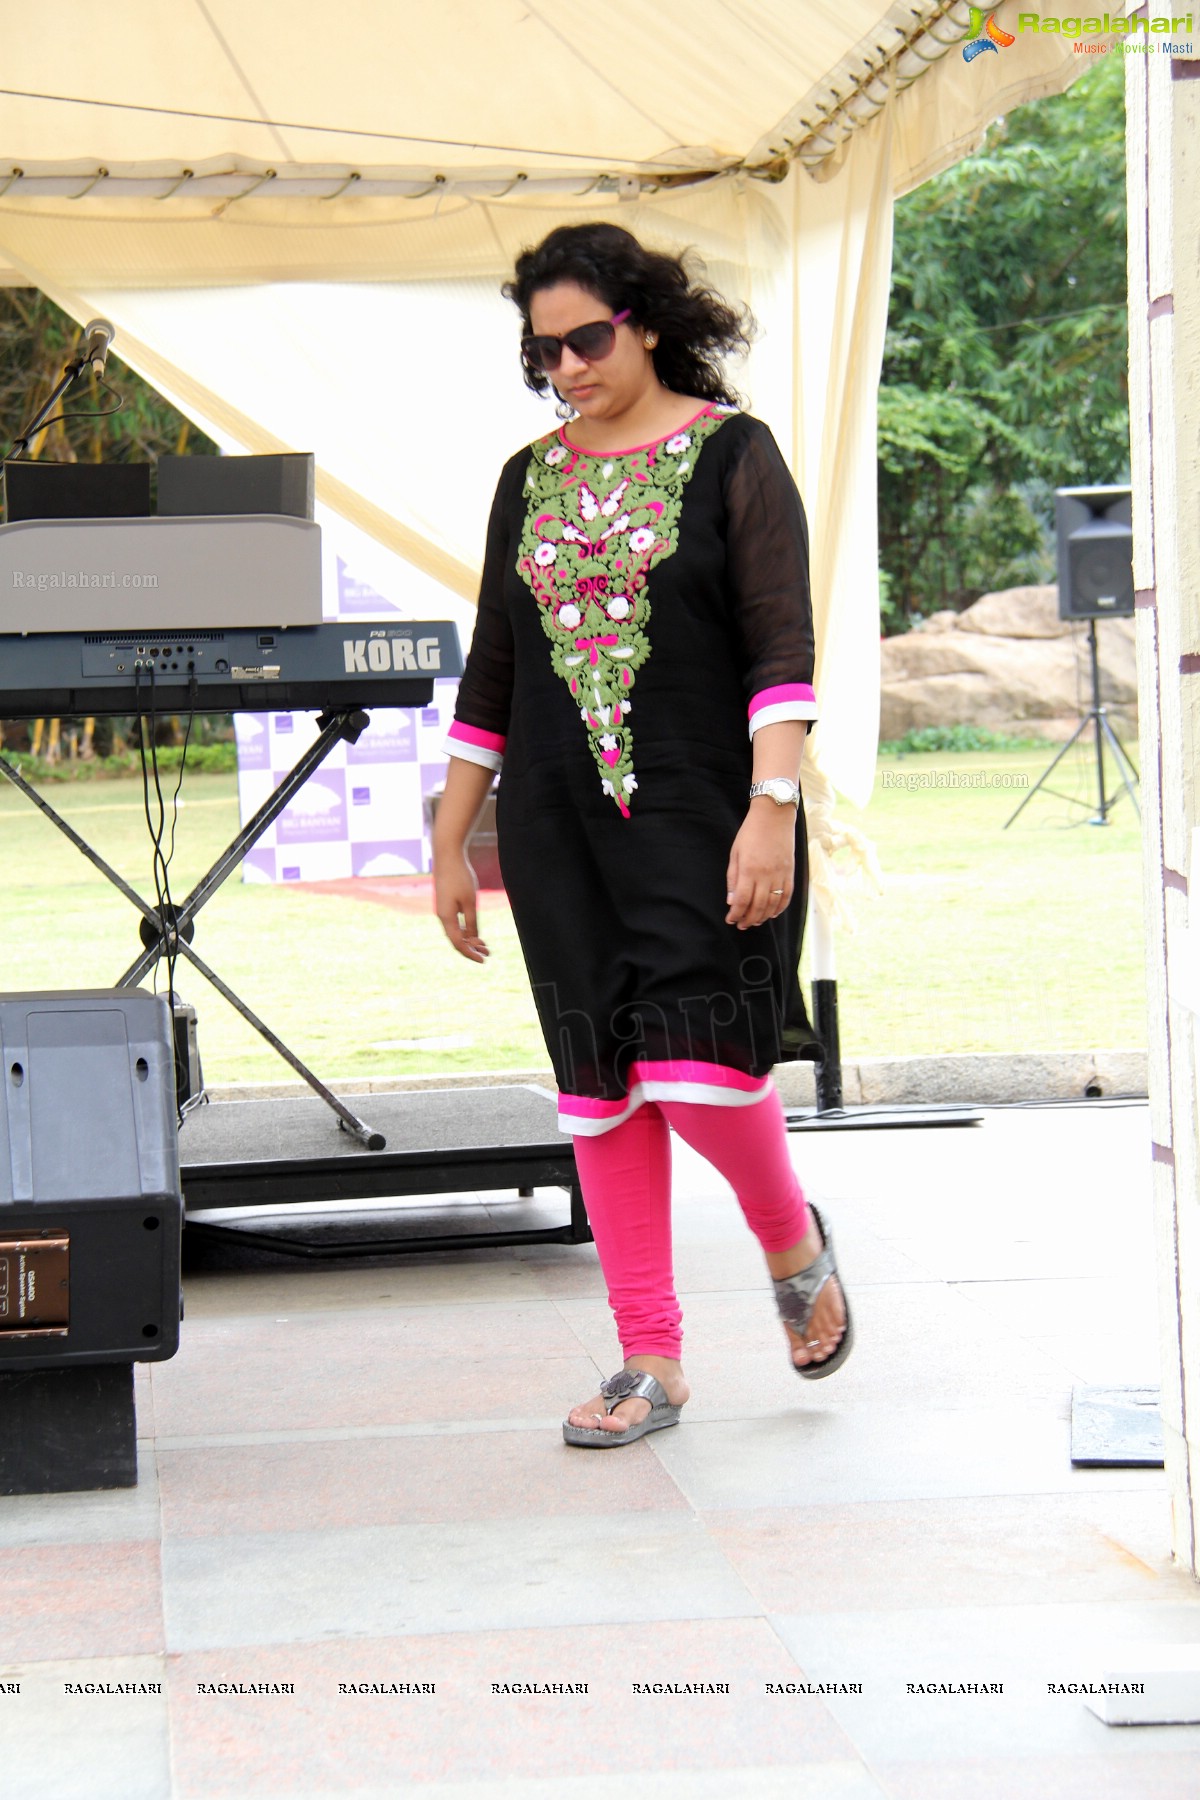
point(1095, 581)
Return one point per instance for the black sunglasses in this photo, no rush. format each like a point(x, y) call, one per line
point(590, 343)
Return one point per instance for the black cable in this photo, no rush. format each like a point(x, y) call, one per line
point(162, 878)
point(155, 835)
point(14, 455)
point(193, 707)
point(57, 418)
point(193, 702)
point(159, 863)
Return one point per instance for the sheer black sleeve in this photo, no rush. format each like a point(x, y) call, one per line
point(481, 712)
point(767, 549)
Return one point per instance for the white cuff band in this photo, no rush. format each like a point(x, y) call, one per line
point(783, 709)
point(473, 753)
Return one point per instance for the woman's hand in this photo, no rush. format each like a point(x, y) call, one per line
point(762, 865)
point(454, 889)
point(454, 883)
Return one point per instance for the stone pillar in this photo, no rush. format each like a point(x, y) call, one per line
point(1163, 143)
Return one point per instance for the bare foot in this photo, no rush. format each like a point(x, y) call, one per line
point(592, 1416)
point(828, 1321)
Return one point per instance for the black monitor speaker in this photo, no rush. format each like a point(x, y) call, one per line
point(54, 490)
point(1095, 552)
point(91, 1211)
point(203, 485)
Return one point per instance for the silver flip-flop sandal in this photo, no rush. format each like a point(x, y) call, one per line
point(629, 1384)
point(796, 1295)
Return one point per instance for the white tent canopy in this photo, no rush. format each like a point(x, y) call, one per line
point(298, 220)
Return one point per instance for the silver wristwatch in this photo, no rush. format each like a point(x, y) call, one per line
point(782, 791)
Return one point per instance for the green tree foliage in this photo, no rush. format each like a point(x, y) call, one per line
point(1005, 362)
point(122, 419)
point(37, 339)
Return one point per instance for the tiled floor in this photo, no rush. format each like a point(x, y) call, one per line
point(355, 1475)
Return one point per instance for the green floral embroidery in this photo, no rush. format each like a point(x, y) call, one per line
point(595, 526)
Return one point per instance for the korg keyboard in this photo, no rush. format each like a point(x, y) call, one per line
point(296, 668)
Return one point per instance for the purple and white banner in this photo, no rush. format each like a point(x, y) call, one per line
point(364, 810)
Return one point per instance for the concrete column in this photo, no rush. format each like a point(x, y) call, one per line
point(1163, 113)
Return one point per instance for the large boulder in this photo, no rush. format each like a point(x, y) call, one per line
point(1020, 612)
point(1008, 663)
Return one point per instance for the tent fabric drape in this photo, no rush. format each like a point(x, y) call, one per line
point(497, 91)
point(410, 395)
point(371, 331)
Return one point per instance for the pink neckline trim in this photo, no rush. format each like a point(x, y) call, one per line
point(632, 448)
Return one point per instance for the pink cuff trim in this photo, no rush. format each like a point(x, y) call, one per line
point(787, 692)
point(483, 740)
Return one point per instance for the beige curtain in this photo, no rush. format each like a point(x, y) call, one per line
point(410, 395)
point(370, 330)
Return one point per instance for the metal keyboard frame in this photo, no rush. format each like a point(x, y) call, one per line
point(337, 724)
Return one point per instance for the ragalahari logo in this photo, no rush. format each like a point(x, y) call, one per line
point(983, 36)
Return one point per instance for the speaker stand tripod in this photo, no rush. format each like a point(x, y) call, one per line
point(1097, 718)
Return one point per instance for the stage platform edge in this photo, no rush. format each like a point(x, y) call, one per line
point(291, 1153)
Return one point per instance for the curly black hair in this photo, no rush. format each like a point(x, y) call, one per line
point(695, 326)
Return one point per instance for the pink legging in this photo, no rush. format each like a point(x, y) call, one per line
point(625, 1174)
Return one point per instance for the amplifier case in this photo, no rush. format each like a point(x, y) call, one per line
point(91, 1209)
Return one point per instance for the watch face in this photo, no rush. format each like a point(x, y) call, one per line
point(780, 790)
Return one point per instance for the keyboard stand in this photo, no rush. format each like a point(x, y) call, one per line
point(340, 724)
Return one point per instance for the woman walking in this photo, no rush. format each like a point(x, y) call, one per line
point(641, 666)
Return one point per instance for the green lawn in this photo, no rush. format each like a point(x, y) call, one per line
point(987, 939)
point(1026, 939)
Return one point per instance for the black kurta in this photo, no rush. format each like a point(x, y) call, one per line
point(634, 609)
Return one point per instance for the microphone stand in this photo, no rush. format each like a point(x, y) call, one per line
point(71, 373)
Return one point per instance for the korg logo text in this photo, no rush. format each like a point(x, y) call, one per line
point(378, 655)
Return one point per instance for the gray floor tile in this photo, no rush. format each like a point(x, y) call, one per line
point(1079, 1306)
point(1022, 1647)
point(849, 1454)
point(467, 1278)
point(391, 1582)
point(128, 1515)
point(832, 1781)
point(1103, 1361)
point(706, 1230)
point(737, 1365)
point(981, 1269)
point(1026, 1549)
point(1133, 1775)
point(85, 1746)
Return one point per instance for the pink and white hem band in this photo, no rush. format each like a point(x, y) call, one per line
point(791, 700)
point(704, 1084)
point(473, 745)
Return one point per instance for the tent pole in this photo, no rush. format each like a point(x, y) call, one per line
point(828, 1072)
